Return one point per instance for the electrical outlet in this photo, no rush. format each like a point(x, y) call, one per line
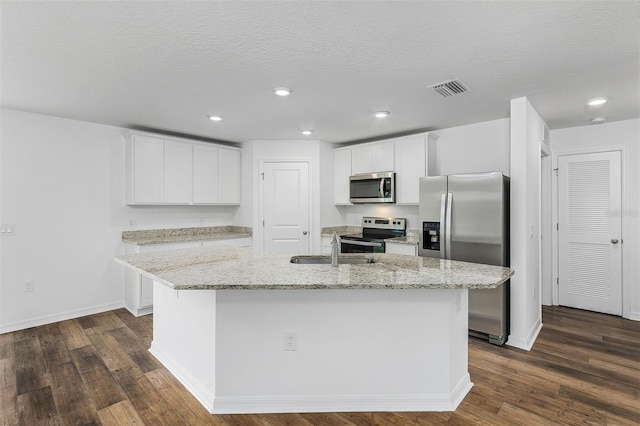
point(290, 341)
point(7, 229)
point(29, 286)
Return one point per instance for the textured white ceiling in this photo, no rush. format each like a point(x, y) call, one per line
point(166, 65)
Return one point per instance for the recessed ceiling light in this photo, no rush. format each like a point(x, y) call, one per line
point(381, 114)
point(597, 101)
point(214, 117)
point(282, 91)
point(598, 120)
point(307, 132)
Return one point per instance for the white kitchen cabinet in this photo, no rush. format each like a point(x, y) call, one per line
point(165, 170)
point(178, 180)
point(139, 289)
point(234, 242)
point(372, 157)
point(341, 173)
point(229, 167)
point(410, 166)
point(205, 173)
point(146, 161)
point(398, 248)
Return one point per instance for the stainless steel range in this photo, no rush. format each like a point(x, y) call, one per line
point(374, 231)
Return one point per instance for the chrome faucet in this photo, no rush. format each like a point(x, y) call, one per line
point(334, 251)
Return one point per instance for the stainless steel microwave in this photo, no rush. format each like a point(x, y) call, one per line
point(373, 188)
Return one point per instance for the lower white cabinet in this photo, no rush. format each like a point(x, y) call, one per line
point(235, 242)
point(397, 248)
point(139, 289)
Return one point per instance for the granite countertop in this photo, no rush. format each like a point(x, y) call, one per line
point(328, 231)
point(226, 268)
point(178, 235)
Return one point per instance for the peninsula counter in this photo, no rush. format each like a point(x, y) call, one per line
point(250, 332)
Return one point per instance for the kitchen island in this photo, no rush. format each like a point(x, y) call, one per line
point(249, 332)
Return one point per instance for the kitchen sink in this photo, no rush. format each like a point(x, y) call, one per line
point(326, 260)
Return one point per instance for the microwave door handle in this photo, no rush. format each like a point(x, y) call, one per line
point(443, 228)
point(448, 224)
point(382, 188)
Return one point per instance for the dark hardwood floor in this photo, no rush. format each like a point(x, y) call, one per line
point(583, 369)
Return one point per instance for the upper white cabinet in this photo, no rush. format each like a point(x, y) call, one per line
point(373, 157)
point(163, 170)
point(145, 155)
point(229, 176)
point(410, 159)
point(205, 171)
point(341, 173)
point(178, 182)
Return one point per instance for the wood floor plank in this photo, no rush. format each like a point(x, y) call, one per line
point(31, 371)
point(37, 408)
point(71, 397)
point(54, 346)
point(110, 351)
point(74, 334)
point(120, 414)
point(8, 392)
point(6, 345)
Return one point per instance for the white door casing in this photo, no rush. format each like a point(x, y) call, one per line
point(590, 231)
point(286, 207)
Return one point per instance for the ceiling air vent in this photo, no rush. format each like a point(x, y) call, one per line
point(450, 88)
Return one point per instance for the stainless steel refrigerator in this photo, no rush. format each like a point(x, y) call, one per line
point(466, 217)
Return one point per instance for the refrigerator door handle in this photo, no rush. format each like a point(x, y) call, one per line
point(447, 225)
point(443, 230)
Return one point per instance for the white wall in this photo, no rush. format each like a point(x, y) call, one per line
point(63, 186)
point(474, 148)
point(526, 311)
point(625, 136)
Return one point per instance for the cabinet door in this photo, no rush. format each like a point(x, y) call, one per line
point(205, 174)
point(341, 173)
point(148, 169)
point(229, 165)
point(410, 159)
point(362, 159)
point(383, 157)
point(178, 157)
point(234, 242)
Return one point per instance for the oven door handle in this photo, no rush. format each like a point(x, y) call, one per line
point(361, 243)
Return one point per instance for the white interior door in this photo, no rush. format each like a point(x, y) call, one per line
point(286, 207)
point(589, 234)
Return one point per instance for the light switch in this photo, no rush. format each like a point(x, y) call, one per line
point(7, 229)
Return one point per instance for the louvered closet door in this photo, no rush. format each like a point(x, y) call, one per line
point(590, 246)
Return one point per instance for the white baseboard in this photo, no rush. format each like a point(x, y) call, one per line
point(634, 316)
point(204, 395)
point(310, 403)
point(529, 340)
point(61, 316)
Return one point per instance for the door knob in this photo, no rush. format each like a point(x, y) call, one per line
point(614, 241)
point(305, 233)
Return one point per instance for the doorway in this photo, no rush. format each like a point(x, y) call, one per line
point(285, 207)
point(590, 231)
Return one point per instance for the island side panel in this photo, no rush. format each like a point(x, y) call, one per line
point(357, 350)
point(184, 324)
